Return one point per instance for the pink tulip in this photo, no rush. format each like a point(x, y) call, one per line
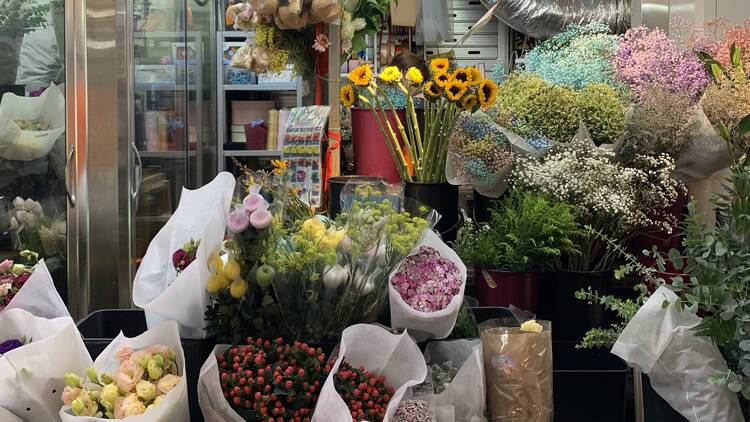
point(238, 221)
point(254, 202)
point(260, 219)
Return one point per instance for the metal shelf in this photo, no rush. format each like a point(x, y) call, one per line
point(237, 34)
point(282, 86)
point(252, 153)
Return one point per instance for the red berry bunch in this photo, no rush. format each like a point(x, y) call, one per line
point(273, 381)
point(364, 393)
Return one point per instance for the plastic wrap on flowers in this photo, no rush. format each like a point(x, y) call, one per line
point(479, 154)
point(518, 366)
point(124, 377)
point(37, 294)
point(35, 352)
point(427, 289)
point(662, 342)
point(29, 126)
point(169, 287)
point(330, 274)
point(455, 367)
point(543, 19)
point(396, 359)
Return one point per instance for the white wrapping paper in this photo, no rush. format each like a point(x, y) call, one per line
point(174, 407)
point(454, 404)
point(164, 295)
point(662, 343)
point(397, 357)
point(39, 296)
point(31, 377)
point(424, 325)
point(24, 145)
point(214, 406)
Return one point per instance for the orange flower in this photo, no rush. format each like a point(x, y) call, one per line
point(361, 76)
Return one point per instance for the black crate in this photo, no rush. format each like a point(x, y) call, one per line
point(588, 385)
point(101, 327)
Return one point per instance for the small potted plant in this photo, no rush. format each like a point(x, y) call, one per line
point(527, 234)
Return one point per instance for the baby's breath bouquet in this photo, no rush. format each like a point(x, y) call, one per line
point(334, 273)
point(420, 153)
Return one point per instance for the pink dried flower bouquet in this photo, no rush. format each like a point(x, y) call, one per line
point(426, 281)
point(648, 57)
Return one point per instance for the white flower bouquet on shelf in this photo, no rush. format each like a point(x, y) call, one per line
point(29, 126)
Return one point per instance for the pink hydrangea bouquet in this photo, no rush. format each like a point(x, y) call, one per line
point(426, 281)
point(12, 278)
point(142, 380)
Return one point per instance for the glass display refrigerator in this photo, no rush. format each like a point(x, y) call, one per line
point(107, 113)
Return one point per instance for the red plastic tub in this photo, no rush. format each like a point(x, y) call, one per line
point(520, 289)
point(371, 154)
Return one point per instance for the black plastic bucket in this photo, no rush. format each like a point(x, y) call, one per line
point(101, 327)
point(336, 186)
point(572, 318)
point(443, 198)
point(482, 206)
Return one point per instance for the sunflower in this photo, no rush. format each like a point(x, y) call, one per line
point(414, 76)
point(468, 102)
point(462, 75)
point(361, 76)
point(391, 74)
point(454, 90)
point(442, 80)
point(431, 90)
point(487, 93)
point(439, 65)
point(347, 96)
point(475, 75)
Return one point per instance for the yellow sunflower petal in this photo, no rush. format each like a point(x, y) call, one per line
point(415, 76)
point(455, 90)
point(475, 75)
point(462, 75)
point(439, 65)
point(347, 95)
point(390, 74)
point(487, 93)
point(468, 102)
point(361, 76)
point(442, 80)
point(431, 90)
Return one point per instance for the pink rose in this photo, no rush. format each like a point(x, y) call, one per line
point(69, 394)
point(128, 375)
point(166, 384)
point(6, 265)
point(160, 349)
point(260, 219)
point(238, 221)
point(124, 354)
point(118, 408)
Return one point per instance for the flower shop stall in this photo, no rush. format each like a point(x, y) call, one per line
point(603, 277)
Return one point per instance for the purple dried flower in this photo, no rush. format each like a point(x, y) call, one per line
point(9, 345)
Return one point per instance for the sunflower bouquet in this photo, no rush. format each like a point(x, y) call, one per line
point(420, 153)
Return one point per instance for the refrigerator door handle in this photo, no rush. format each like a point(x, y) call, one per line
point(138, 172)
point(68, 186)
